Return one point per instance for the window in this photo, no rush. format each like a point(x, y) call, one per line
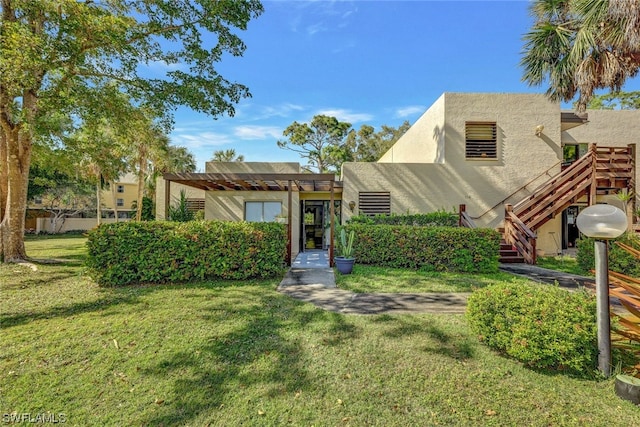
point(262, 211)
point(374, 203)
point(37, 200)
point(120, 202)
point(481, 141)
point(120, 189)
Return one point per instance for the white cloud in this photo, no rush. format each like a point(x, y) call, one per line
point(346, 115)
point(257, 132)
point(328, 15)
point(316, 28)
point(410, 111)
point(282, 110)
point(200, 139)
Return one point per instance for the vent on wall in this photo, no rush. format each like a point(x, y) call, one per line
point(481, 140)
point(374, 202)
point(194, 205)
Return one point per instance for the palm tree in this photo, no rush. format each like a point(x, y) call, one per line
point(578, 46)
point(227, 156)
point(148, 145)
point(101, 157)
point(180, 159)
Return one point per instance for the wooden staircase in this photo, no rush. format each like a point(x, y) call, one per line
point(509, 253)
point(603, 170)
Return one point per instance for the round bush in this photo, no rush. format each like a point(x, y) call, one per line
point(620, 260)
point(543, 326)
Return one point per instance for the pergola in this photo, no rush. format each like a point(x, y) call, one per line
point(288, 182)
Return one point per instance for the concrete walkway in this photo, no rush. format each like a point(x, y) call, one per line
point(311, 280)
point(543, 275)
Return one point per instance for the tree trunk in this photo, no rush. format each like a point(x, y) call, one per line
point(142, 172)
point(99, 203)
point(12, 226)
point(4, 184)
point(4, 177)
point(114, 196)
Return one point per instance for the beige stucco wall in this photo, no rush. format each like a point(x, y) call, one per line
point(191, 193)
point(229, 205)
point(424, 142)
point(252, 167)
point(524, 160)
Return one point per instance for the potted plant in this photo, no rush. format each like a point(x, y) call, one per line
point(344, 261)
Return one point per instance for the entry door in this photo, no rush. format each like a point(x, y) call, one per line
point(312, 224)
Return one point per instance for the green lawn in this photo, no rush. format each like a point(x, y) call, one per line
point(563, 263)
point(366, 278)
point(230, 353)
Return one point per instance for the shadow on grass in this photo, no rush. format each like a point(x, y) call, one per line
point(259, 353)
point(459, 347)
point(7, 321)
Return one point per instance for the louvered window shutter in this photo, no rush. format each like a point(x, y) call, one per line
point(481, 140)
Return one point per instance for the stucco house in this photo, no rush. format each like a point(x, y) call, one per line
point(516, 161)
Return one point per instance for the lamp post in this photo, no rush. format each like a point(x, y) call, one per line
point(602, 222)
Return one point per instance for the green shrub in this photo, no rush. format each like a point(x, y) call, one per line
point(180, 212)
point(432, 219)
point(619, 260)
point(428, 248)
point(543, 326)
point(159, 252)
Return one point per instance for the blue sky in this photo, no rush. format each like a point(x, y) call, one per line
point(364, 62)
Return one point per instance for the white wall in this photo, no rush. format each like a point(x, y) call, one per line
point(46, 225)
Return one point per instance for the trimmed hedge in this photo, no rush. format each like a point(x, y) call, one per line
point(431, 219)
point(160, 252)
point(543, 326)
point(620, 260)
point(428, 248)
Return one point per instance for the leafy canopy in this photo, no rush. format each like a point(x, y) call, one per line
point(578, 46)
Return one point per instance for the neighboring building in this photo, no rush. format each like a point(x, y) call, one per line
point(124, 193)
point(121, 193)
point(485, 151)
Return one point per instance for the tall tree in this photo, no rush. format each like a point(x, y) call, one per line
point(227, 156)
point(615, 100)
point(368, 145)
point(319, 142)
point(102, 156)
point(179, 159)
point(58, 56)
point(578, 46)
point(148, 145)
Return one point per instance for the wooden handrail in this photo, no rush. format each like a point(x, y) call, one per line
point(581, 177)
point(521, 237)
point(464, 220)
point(501, 202)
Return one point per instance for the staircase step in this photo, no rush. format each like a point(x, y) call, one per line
point(511, 259)
point(509, 253)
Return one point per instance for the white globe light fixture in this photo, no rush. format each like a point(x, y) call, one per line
point(602, 222)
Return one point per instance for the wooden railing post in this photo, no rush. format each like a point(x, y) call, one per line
point(461, 210)
point(594, 180)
